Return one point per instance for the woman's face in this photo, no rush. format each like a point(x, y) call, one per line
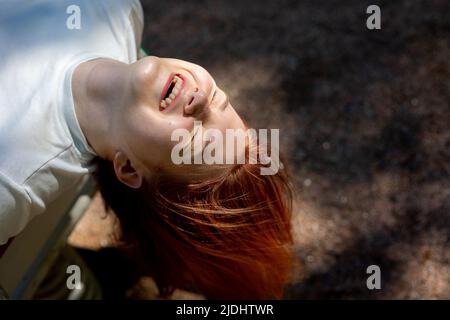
point(170, 94)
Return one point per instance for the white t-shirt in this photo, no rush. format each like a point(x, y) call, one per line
point(43, 151)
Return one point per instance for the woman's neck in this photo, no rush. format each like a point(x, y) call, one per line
point(99, 89)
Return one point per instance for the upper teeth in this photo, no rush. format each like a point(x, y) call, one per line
point(176, 89)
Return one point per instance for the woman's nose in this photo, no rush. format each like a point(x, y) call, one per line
point(198, 102)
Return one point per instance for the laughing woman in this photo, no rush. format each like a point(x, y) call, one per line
point(75, 101)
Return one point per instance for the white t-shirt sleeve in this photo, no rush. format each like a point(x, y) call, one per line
point(137, 22)
point(13, 199)
point(43, 151)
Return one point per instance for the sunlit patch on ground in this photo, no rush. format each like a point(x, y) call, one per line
point(364, 124)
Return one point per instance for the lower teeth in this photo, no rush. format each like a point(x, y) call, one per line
point(177, 84)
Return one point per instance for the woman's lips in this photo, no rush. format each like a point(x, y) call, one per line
point(166, 86)
point(175, 85)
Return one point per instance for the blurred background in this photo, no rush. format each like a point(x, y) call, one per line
point(364, 121)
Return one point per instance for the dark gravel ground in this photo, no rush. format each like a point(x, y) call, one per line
point(364, 122)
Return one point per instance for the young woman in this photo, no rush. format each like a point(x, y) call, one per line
point(77, 100)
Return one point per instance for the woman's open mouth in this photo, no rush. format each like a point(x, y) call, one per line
point(172, 91)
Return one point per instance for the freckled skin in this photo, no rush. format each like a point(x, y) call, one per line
point(146, 128)
point(130, 127)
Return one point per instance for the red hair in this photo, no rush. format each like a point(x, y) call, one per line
point(230, 236)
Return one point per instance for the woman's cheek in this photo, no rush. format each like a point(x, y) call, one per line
point(186, 123)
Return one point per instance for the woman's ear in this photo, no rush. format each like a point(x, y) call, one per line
point(125, 171)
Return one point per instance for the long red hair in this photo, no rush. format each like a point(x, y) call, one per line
point(230, 235)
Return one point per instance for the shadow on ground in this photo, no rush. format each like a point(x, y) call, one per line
point(364, 122)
